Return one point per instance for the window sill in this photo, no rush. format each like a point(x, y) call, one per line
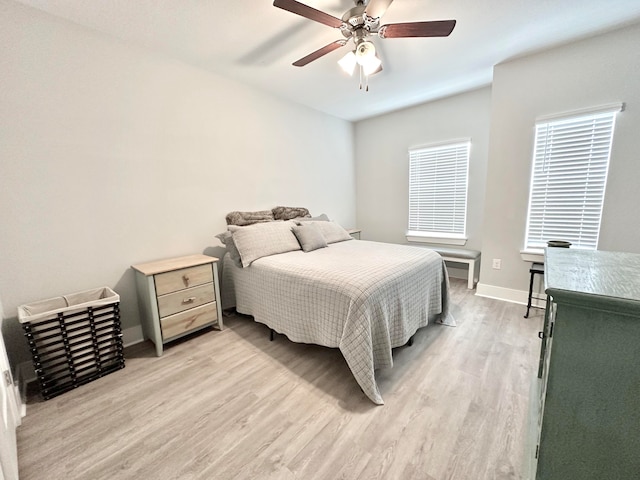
point(438, 239)
point(532, 255)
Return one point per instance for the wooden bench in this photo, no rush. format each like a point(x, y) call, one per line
point(462, 255)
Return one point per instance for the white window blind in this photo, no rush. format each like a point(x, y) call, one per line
point(438, 178)
point(570, 165)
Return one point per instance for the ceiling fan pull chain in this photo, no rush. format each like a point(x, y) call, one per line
point(360, 69)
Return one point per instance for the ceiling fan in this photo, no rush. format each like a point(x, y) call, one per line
point(359, 23)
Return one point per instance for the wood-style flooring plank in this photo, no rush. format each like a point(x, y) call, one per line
point(232, 405)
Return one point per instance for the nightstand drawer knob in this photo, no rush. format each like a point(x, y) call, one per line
point(189, 300)
point(185, 279)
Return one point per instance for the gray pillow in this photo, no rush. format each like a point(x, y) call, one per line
point(319, 218)
point(264, 239)
point(332, 232)
point(226, 238)
point(309, 236)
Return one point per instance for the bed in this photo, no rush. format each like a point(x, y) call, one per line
point(361, 297)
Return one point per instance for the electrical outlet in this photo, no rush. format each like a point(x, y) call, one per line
point(497, 263)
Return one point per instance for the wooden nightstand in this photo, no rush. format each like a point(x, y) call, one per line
point(178, 296)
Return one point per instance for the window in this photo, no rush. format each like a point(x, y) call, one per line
point(570, 164)
point(438, 178)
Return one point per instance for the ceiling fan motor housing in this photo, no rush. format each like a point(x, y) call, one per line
point(358, 24)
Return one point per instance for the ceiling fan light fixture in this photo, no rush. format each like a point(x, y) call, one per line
point(364, 51)
point(348, 63)
point(371, 65)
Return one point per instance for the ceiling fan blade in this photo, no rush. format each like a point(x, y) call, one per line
point(308, 12)
point(319, 53)
point(376, 8)
point(439, 28)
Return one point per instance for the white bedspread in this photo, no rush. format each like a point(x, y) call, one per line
point(364, 298)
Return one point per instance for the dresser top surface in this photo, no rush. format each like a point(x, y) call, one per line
point(615, 275)
point(169, 264)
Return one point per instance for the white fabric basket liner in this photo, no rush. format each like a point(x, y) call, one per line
point(66, 304)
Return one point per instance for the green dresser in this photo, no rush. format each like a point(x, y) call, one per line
point(588, 417)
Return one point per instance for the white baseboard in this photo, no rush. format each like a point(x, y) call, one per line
point(21, 401)
point(25, 374)
point(132, 335)
point(460, 273)
point(508, 295)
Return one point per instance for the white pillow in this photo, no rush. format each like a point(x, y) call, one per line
point(226, 238)
point(264, 239)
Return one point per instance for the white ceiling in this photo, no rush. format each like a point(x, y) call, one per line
point(254, 42)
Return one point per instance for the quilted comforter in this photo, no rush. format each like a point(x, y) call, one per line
point(362, 297)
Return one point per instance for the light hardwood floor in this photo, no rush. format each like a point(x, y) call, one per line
point(233, 405)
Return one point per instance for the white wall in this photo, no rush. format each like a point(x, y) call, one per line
point(596, 71)
point(113, 155)
point(382, 161)
point(500, 121)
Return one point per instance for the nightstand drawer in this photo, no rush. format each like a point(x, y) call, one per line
point(184, 322)
point(178, 296)
point(185, 299)
point(183, 278)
